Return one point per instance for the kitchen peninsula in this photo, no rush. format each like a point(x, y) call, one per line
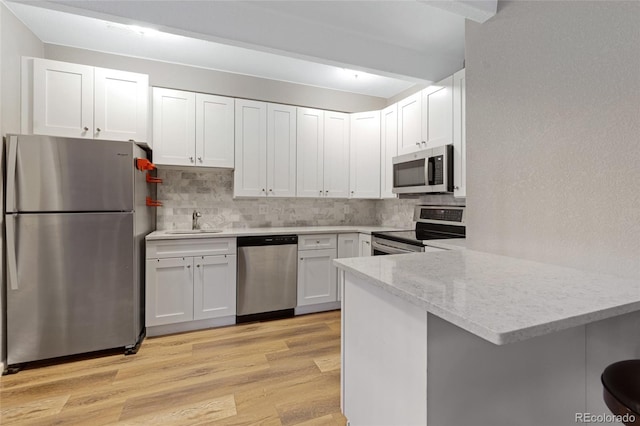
point(463, 337)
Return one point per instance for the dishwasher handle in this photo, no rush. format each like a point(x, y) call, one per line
point(267, 240)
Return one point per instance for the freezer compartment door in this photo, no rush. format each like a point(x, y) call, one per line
point(74, 286)
point(52, 174)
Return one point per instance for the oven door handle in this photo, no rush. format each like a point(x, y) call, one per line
point(388, 249)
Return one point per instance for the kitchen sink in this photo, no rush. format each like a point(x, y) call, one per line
point(194, 231)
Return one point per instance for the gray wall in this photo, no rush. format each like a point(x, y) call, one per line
point(15, 41)
point(220, 83)
point(553, 130)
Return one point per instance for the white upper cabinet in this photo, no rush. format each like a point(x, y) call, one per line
point(336, 154)
point(265, 150)
point(459, 135)
point(214, 141)
point(250, 175)
point(310, 153)
point(410, 124)
point(437, 113)
point(388, 149)
point(192, 129)
point(121, 105)
point(281, 150)
point(71, 100)
point(364, 181)
point(62, 99)
point(174, 127)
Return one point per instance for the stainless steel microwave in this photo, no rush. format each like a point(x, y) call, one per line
point(423, 172)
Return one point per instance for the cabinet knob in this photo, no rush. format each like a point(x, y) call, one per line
point(321, 192)
point(189, 266)
point(271, 190)
point(352, 192)
point(418, 143)
point(191, 159)
point(263, 190)
point(456, 187)
point(98, 129)
point(197, 266)
point(86, 129)
point(200, 159)
point(326, 192)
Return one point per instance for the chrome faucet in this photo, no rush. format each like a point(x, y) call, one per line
point(194, 223)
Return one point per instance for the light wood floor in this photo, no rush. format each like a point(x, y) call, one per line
point(284, 372)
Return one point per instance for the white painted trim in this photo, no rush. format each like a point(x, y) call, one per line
point(182, 327)
point(320, 307)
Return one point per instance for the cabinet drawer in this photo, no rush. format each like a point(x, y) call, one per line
point(190, 247)
point(317, 241)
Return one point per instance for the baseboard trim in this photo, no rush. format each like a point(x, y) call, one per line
point(181, 327)
point(320, 307)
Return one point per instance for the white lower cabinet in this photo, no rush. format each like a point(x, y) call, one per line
point(317, 277)
point(169, 297)
point(213, 297)
point(348, 246)
point(189, 292)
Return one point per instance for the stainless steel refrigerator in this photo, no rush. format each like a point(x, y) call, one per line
point(75, 222)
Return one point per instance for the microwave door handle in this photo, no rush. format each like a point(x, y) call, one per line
point(430, 167)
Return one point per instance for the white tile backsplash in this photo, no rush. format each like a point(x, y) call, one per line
point(211, 193)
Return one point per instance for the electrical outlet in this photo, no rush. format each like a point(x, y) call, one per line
point(347, 209)
point(262, 209)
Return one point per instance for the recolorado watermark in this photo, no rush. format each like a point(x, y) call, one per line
point(604, 418)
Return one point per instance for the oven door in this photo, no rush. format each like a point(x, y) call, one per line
point(381, 247)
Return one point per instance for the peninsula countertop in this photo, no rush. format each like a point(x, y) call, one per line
point(293, 230)
point(498, 298)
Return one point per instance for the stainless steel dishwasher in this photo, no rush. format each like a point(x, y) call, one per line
point(267, 277)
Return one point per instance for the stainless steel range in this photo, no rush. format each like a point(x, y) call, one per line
point(432, 223)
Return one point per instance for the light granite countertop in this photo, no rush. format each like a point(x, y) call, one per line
point(297, 230)
point(501, 299)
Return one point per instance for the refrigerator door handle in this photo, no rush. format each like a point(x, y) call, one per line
point(12, 265)
point(12, 157)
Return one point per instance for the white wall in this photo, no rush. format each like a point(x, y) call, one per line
point(220, 83)
point(553, 133)
point(15, 41)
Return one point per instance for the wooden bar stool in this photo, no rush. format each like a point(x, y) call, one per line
point(621, 389)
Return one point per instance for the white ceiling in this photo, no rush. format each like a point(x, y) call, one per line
point(397, 43)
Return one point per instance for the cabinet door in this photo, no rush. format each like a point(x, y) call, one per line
point(169, 291)
point(437, 113)
point(348, 245)
point(281, 150)
point(121, 105)
point(250, 175)
point(459, 135)
point(364, 181)
point(364, 241)
point(316, 277)
point(410, 124)
point(62, 99)
point(388, 149)
point(336, 154)
point(310, 153)
point(214, 131)
point(174, 127)
point(214, 286)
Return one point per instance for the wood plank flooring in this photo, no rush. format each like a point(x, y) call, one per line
point(284, 372)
